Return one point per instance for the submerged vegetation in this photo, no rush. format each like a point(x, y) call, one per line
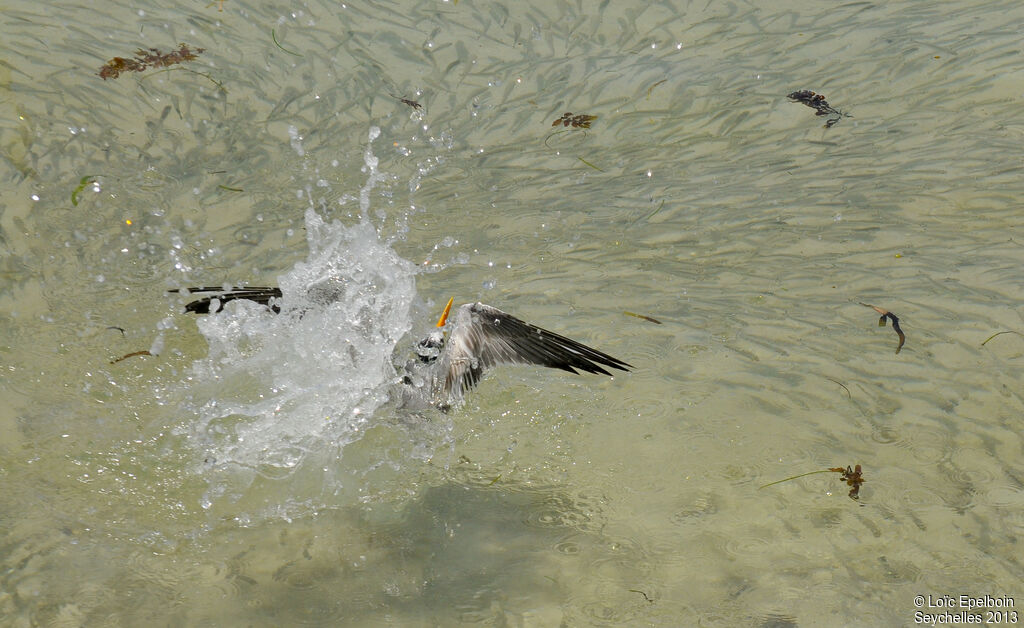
point(131, 355)
point(407, 101)
point(1000, 333)
point(145, 59)
point(273, 35)
point(886, 314)
point(852, 476)
point(577, 121)
point(646, 318)
point(82, 183)
point(820, 106)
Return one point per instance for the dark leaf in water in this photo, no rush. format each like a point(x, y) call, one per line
point(581, 120)
point(886, 314)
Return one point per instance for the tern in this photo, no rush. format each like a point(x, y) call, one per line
point(452, 359)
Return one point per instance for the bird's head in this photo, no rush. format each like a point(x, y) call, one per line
point(430, 347)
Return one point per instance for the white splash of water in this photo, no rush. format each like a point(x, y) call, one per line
point(281, 388)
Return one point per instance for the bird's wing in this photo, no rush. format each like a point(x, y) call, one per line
point(483, 336)
point(259, 294)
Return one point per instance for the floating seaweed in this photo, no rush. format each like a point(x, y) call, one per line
point(646, 318)
point(411, 103)
point(130, 355)
point(148, 58)
point(842, 385)
point(577, 121)
point(1000, 333)
point(648, 598)
point(886, 314)
point(273, 35)
point(820, 106)
point(853, 478)
point(82, 183)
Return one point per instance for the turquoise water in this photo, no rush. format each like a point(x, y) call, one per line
point(254, 471)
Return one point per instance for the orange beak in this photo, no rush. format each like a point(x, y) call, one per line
point(444, 317)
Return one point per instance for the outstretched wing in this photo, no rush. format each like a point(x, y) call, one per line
point(483, 336)
point(259, 294)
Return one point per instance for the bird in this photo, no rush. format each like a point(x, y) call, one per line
point(452, 359)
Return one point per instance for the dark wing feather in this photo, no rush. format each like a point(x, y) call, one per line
point(483, 336)
point(259, 294)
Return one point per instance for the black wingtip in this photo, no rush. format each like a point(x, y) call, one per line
point(264, 295)
point(202, 306)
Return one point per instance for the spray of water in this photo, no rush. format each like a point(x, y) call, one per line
point(278, 391)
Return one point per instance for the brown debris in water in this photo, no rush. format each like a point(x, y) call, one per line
point(852, 477)
point(406, 101)
point(580, 120)
point(148, 58)
point(886, 314)
point(641, 316)
point(820, 106)
point(130, 355)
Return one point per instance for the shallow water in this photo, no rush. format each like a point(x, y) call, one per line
point(254, 471)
